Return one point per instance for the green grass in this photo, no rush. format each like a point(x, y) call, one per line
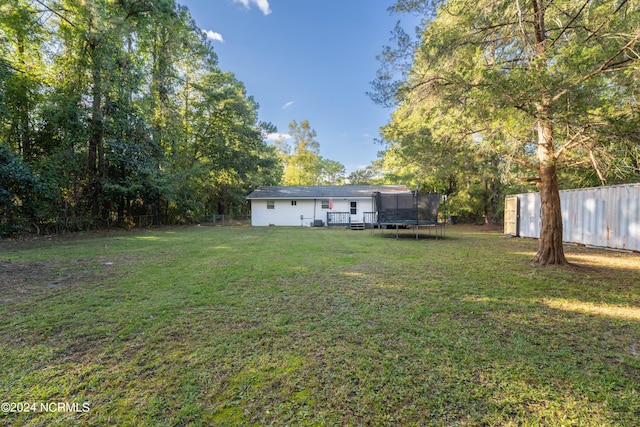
point(298, 326)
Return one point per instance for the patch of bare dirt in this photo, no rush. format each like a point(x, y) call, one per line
point(24, 280)
point(29, 239)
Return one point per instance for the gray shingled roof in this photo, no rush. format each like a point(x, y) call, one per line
point(323, 191)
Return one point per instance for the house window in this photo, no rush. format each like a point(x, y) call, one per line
point(325, 204)
point(354, 208)
point(271, 204)
point(293, 203)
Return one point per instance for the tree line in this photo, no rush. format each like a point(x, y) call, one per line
point(116, 109)
point(112, 109)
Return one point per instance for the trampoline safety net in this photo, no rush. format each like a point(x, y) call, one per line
point(407, 208)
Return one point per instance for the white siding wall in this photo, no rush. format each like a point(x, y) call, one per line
point(285, 214)
point(344, 205)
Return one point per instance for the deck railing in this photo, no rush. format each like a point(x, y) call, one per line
point(338, 218)
point(369, 218)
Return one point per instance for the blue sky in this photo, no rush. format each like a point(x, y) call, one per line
point(307, 59)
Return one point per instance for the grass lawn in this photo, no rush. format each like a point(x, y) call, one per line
point(304, 326)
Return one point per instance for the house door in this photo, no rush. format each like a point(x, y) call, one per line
point(353, 208)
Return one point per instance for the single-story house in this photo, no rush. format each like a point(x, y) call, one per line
point(316, 205)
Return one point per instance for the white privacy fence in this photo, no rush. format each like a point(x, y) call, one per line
point(601, 216)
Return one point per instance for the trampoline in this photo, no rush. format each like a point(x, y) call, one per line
point(408, 210)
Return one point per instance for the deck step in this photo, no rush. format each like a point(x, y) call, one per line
point(356, 225)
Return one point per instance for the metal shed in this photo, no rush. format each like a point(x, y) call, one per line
point(602, 216)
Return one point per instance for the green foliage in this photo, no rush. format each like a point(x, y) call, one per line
point(122, 107)
point(301, 158)
point(365, 176)
point(23, 194)
point(495, 90)
point(331, 172)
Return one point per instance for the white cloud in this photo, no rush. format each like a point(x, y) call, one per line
point(275, 136)
point(263, 5)
point(212, 35)
point(287, 105)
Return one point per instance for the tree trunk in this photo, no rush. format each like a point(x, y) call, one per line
point(23, 106)
point(222, 206)
point(96, 135)
point(550, 250)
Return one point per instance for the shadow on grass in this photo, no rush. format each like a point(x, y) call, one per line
point(411, 235)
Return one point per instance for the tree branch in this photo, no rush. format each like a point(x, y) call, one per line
point(6, 64)
point(595, 166)
point(572, 142)
point(524, 163)
point(608, 66)
point(525, 35)
point(55, 12)
point(593, 33)
point(569, 24)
